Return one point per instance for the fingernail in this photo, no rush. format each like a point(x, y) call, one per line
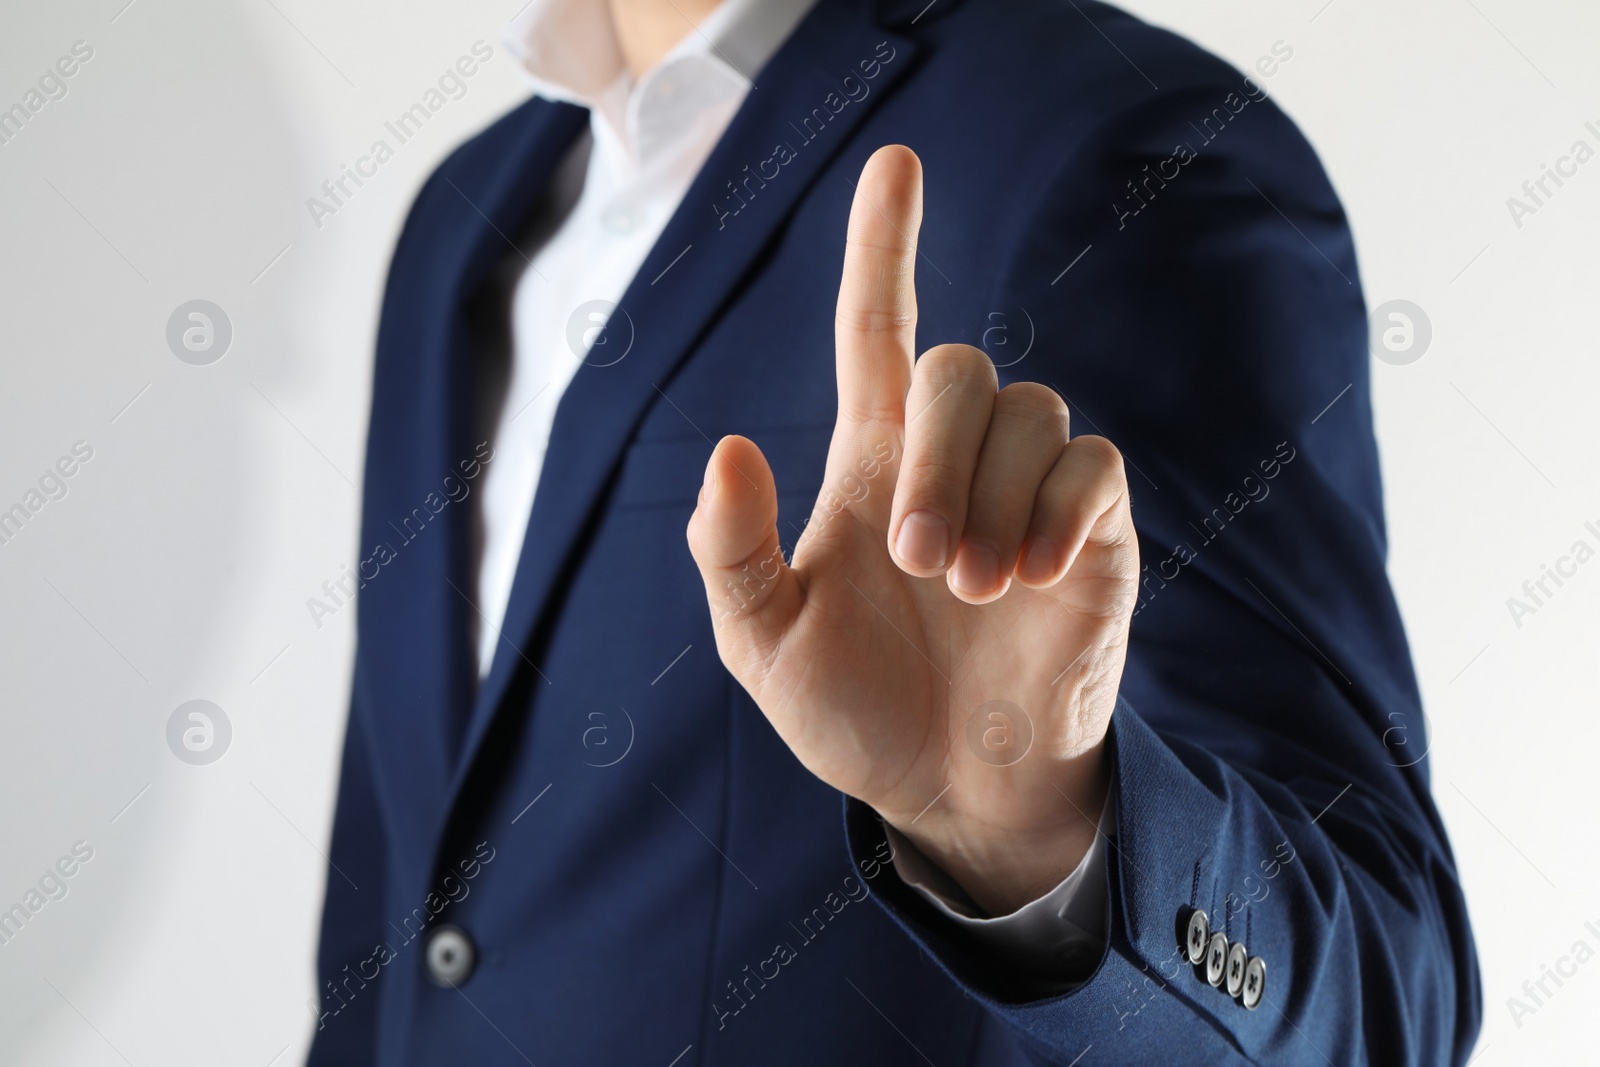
point(1039, 561)
point(924, 540)
point(977, 569)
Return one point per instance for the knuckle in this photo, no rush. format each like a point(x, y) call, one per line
point(1101, 454)
point(1031, 402)
point(957, 365)
point(875, 319)
point(934, 480)
point(1000, 509)
point(856, 245)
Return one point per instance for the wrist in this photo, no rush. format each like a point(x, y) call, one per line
point(1010, 854)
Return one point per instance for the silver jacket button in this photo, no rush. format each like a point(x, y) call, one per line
point(450, 956)
point(1237, 958)
point(1217, 959)
point(1255, 982)
point(1198, 934)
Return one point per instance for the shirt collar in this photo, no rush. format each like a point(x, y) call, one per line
point(569, 51)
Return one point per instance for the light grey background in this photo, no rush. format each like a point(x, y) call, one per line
point(220, 497)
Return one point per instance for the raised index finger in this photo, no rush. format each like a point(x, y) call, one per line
point(876, 323)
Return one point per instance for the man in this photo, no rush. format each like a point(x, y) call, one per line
point(1124, 722)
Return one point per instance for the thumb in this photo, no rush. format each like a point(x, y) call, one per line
point(733, 536)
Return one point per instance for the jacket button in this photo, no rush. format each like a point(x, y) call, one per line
point(1216, 959)
point(1199, 933)
point(1237, 958)
point(450, 956)
point(1255, 983)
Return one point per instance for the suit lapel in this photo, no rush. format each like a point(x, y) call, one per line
point(415, 669)
point(732, 210)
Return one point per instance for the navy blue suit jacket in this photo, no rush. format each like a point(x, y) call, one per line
point(645, 869)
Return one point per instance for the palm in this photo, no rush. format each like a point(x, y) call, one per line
point(947, 642)
point(879, 680)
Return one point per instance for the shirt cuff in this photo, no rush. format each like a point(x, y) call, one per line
point(1057, 939)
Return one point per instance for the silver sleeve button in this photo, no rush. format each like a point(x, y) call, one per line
point(1199, 933)
point(1237, 959)
point(1217, 959)
point(1255, 983)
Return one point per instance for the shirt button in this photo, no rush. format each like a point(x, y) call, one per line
point(1199, 933)
point(622, 218)
point(1237, 958)
point(450, 956)
point(1217, 959)
point(1255, 982)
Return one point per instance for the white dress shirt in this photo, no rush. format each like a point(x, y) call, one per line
point(612, 197)
point(646, 142)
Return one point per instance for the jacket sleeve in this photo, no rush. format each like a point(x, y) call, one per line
point(1269, 741)
point(352, 911)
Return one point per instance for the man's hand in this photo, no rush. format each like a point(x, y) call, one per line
point(948, 642)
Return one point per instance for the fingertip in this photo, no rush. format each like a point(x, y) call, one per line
point(737, 462)
point(708, 483)
point(977, 576)
point(891, 183)
point(895, 162)
point(738, 503)
point(922, 544)
point(1039, 564)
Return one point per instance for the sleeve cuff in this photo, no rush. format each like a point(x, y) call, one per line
point(1057, 939)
